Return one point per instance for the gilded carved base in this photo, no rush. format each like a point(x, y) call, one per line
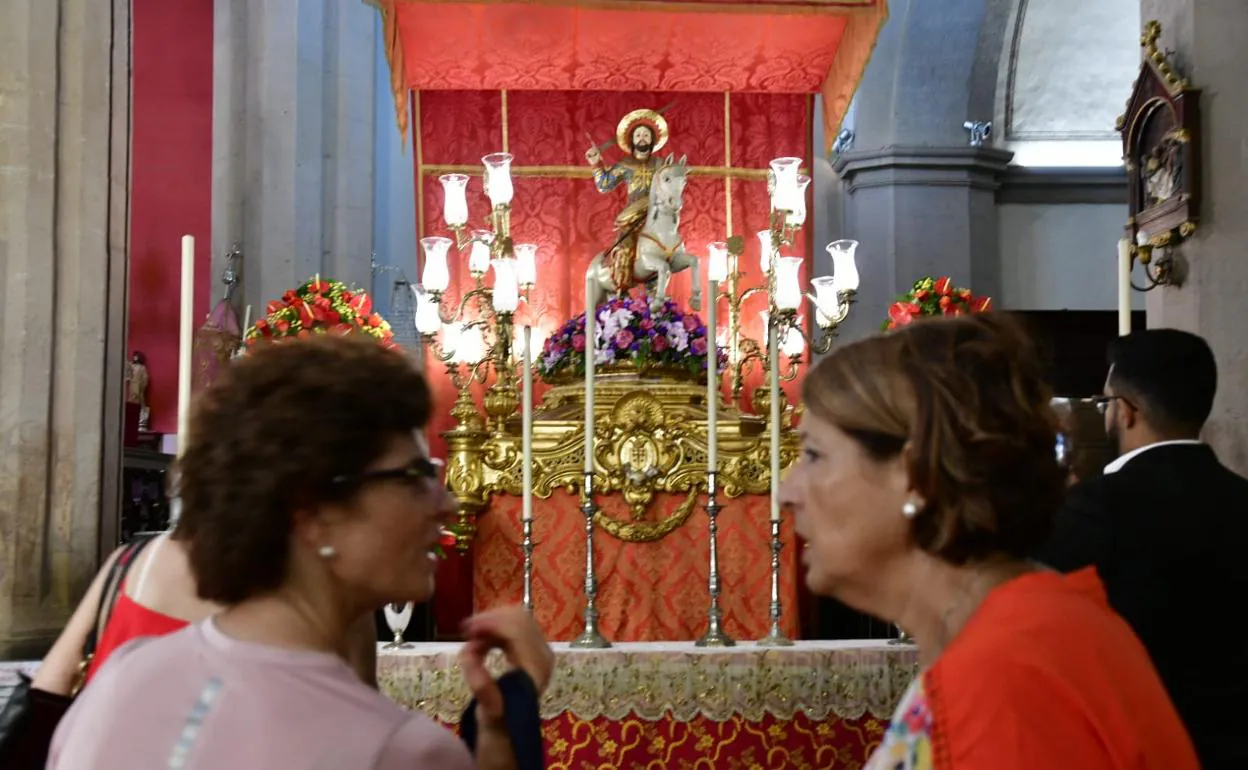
point(650, 436)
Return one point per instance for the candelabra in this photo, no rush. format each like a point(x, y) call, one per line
point(830, 295)
point(476, 333)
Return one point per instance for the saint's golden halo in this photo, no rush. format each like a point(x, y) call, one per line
point(649, 118)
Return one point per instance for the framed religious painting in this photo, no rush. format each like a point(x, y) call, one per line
point(1161, 143)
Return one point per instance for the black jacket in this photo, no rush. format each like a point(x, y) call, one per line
point(1168, 533)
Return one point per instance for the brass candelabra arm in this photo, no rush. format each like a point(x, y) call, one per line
point(465, 375)
point(463, 236)
point(783, 234)
point(823, 343)
point(790, 374)
point(749, 351)
point(431, 343)
point(480, 295)
point(735, 301)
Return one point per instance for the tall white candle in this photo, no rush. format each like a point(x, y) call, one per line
point(1124, 287)
point(526, 413)
point(186, 333)
point(591, 337)
point(247, 320)
point(773, 375)
point(712, 379)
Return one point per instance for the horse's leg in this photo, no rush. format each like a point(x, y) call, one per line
point(683, 260)
point(648, 263)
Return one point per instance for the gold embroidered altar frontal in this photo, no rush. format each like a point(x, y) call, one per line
point(818, 680)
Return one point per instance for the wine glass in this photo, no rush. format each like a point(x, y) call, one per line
point(397, 617)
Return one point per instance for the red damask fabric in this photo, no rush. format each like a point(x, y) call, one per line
point(526, 46)
point(801, 743)
point(557, 207)
point(646, 591)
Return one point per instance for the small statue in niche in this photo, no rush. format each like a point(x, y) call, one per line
point(137, 379)
point(1163, 170)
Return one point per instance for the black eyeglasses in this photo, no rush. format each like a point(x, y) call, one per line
point(420, 469)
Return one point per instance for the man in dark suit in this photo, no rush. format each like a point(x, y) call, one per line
point(1166, 527)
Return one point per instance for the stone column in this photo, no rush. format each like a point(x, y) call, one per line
point(1206, 35)
point(64, 137)
point(921, 211)
point(293, 141)
point(917, 196)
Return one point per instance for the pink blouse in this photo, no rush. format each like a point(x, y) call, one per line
point(199, 699)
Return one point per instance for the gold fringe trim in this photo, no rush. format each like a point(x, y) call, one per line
point(862, 32)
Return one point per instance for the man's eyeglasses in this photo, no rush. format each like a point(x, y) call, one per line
point(1102, 402)
point(420, 469)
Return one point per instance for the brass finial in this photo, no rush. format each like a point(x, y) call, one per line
point(1148, 40)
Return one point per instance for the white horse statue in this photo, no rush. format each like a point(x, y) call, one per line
point(660, 251)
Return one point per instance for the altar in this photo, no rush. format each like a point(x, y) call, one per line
point(816, 704)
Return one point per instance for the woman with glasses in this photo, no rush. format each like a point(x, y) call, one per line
point(309, 500)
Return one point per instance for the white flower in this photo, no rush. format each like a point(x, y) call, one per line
point(678, 336)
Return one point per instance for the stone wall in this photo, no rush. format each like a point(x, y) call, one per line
point(64, 138)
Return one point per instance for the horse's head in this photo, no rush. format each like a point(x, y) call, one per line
point(667, 188)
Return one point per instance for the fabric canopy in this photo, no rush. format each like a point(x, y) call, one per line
point(784, 46)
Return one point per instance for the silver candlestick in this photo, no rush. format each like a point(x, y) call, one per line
point(527, 547)
point(590, 638)
point(775, 637)
point(715, 635)
point(902, 636)
point(397, 617)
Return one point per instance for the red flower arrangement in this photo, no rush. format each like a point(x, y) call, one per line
point(934, 297)
point(320, 307)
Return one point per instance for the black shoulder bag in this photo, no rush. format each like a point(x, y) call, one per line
point(30, 717)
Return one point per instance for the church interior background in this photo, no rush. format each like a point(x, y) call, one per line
point(973, 139)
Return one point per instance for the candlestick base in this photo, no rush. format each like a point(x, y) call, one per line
point(775, 637)
point(715, 635)
point(591, 638)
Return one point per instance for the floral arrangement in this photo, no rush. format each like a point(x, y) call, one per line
point(934, 297)
point(631, 333)
point(320, 306)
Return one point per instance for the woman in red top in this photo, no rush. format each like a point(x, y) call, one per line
point(157, 597)
point(928, 474)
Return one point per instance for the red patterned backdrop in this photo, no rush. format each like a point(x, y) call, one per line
point(728, 139)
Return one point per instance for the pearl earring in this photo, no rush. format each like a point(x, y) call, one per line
point(327, 552)
point(909, 510)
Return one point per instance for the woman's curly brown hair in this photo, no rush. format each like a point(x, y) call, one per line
point(269, 437)
point(964, 398)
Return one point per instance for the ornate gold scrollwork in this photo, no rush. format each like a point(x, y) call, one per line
point(650, 439)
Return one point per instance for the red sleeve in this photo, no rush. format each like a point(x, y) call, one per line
point(1008, 714)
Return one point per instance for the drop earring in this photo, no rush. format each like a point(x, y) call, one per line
point(327, 552)
point(910, 509)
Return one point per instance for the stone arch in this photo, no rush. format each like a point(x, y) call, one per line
point(934, 68)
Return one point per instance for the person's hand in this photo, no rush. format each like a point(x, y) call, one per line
point(512, 630)
point(593, 156)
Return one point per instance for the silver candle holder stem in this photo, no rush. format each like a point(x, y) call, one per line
point(527, 547)
point(715, 635)
point(591, 638)
point(775, 637)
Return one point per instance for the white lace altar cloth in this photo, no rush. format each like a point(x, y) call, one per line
point(658, 680)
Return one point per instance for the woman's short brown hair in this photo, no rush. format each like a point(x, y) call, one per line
point(270, 436)
point(965, 398)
